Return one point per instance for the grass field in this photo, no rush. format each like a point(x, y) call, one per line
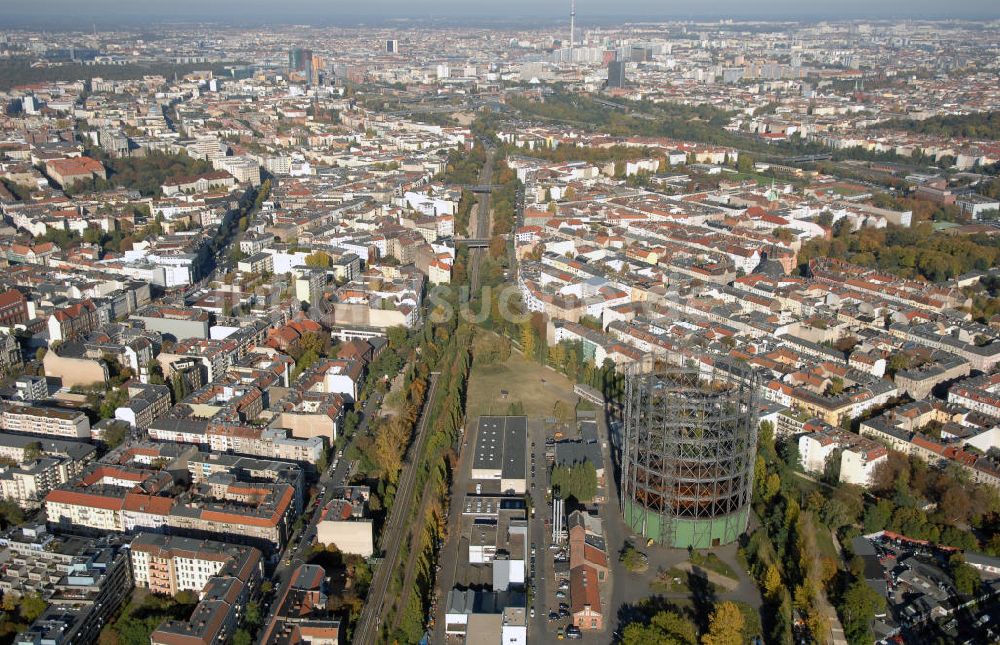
point(536, 388)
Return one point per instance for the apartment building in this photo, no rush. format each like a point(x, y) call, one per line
point(83, 598)
point(27, 484)
point(167, 564)
point(146, 403)
point(52, 422)
point(223, 598)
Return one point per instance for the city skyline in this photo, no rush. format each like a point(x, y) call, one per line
point(65, 14)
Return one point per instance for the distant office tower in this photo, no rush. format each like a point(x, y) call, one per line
point(316, 65)
point(616, 74)
point(392, 46)
point(641, 54)
point(300, 60)
point(294, 59)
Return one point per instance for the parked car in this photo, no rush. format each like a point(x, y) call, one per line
point(572, 631)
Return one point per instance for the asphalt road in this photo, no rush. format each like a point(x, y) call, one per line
point(449, 555)
point(367, 629)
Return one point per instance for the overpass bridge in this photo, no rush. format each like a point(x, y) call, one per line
point(480, 188)
point(473, 243)
point(809, 158)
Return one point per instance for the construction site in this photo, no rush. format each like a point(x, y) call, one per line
point(688, 453)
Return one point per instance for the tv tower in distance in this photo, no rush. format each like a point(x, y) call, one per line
point(572, 23)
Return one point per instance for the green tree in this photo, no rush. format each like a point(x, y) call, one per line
point(179, 387)
point(31, 607)
point(633, 559)
point(877, 517)
point(115, 435)
point(32, 451)
point(860, 605)
point(111, 402)
point(186, 597)
point(966, 578)
point(667, 627)
point(155, 373)
point(10, 514)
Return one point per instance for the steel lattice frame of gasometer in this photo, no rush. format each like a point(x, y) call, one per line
point(688, 455)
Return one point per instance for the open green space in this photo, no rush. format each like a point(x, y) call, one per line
point(518, 385)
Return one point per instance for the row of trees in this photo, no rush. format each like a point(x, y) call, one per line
point(784, 555)
point(447, 414)
point(504, 201)
point(977, 125)
point(464, 214)
point(463, 166)
point(701, 123)
point(446, 346)
point(380, 453)
point(566, 152)
point(916, 252)
point(19, 71)
point(729, 623)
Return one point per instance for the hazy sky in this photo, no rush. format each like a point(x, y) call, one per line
point(109, 12)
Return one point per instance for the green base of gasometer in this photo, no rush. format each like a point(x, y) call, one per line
point(682, 533)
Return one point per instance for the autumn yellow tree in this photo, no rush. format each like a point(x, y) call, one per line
point(387, 450)
point(528, 343)
point(772, 582)
point(725, 625)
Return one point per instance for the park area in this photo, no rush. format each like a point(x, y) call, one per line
point(517, 386)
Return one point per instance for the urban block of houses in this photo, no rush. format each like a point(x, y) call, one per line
point(345, 523)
